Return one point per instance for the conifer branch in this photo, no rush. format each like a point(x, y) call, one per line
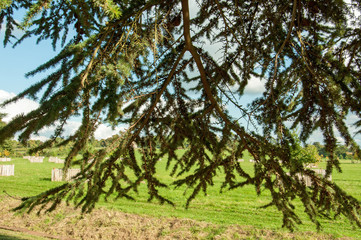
point(122, 51)
point(146, 117)
point(90, 64)
point(225, 21)
point(192, 50)
point(292, 23)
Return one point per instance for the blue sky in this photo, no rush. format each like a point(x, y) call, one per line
point(16, 62)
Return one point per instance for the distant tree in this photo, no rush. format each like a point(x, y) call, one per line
point(9, 145)
point(2, 123)
point(33, 143)
point(355, 156)
point(313, 154)
point(6, 148)
point(341, 151)
point(302, 156)
point(145, 64)
point(320, 149)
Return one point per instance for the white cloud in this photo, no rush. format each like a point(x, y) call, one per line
point(104, 131)
point(26, 105)
point(255, 86)
point(317, 135)
point(22, 106)
point(41, 138)
point(69, 129)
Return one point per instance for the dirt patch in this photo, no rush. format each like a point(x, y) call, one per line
point(67, 223)
point(10, 233)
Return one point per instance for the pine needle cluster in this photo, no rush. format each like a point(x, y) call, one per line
point(144, 64)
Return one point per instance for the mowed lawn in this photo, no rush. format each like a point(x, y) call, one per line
point(240, 206)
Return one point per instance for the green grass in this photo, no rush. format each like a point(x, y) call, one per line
point(12, 235)
point(240, 206)
point(29, 179)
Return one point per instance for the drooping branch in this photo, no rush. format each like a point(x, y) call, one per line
point(187, 36)
point(292, 23)
point(122, 60)
point(146, 117)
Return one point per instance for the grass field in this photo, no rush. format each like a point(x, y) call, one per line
point(241, 206)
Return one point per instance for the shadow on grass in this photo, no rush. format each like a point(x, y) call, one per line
point(45, 179)
point(6, 237)
point(347, 180)
point(353, 163)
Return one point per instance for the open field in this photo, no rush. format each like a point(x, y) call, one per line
point(239, 206)
point(65, 223)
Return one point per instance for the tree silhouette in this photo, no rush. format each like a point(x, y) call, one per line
point(142, 63)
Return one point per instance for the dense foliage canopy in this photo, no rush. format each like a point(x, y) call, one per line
point(145, 64)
